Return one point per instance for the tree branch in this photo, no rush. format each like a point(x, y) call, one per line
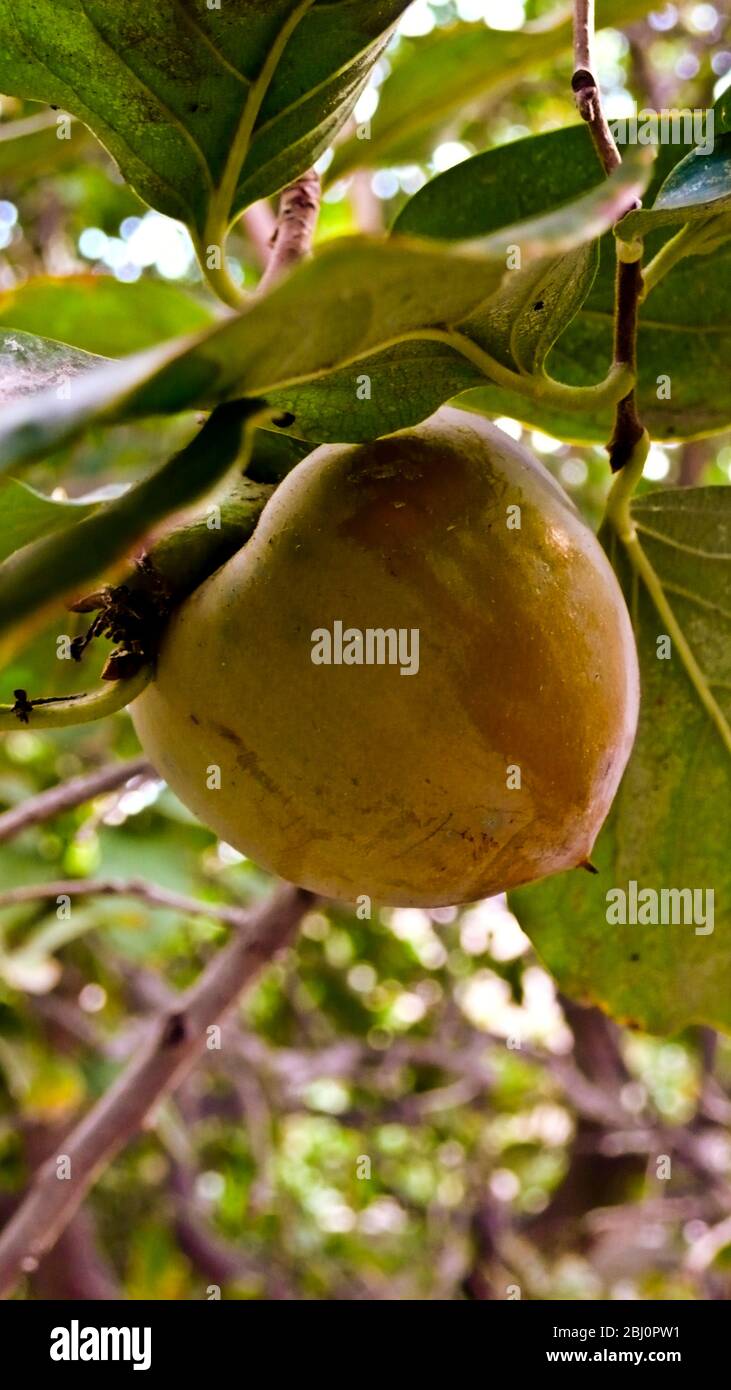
point(260, 225)
point(176, 1040)
point(628, 429)
point(236, 917)
point(584, 85)
point(72, 793)
point(296, 221)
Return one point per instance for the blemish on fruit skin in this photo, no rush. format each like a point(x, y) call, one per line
point(403, 493)
point(223, 730)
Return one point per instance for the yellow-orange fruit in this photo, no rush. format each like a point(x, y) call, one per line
point(484, 755)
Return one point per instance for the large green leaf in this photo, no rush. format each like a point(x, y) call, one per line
point(350, 299)
point(199, 105)
point(357, 297)
point(669, 827)
point(100, 314)
point(440, 77)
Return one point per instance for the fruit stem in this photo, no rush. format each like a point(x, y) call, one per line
point(74, 709)
point(618, 512)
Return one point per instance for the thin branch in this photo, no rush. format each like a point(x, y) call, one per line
point(58, 712)
point(299, 206)
point(72, 793)
point(236, 917)
point(76, 1269)
point(176, 1040)
point(628, 428)
point(260, 225)
point(584, 85)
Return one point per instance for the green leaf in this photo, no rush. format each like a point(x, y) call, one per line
point(202, 108)
point(25, 515)
point(101, 315)
point(29, 364)
point(357, 296)
point(511, 184)
point(698, 187)
point(436, 79)
point(61, 563)
point(684, 335)
point(545, 301)
point(353, 296)
point(669, 827)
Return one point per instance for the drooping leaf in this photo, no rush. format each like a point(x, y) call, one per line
point(357, 297)
point(62, 562)
point(26, 514)
point(100, 314)
point(439, 78)
point(684, 348)
point(199, 105)
point(669, 828)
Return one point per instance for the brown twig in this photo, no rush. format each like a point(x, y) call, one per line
point(628, 429)
point(177, 1038)
point(260, 225)
point(584, 85)
point(299, 205)
point(72, 793)
point(236, 917)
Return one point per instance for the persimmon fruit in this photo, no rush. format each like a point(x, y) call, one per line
point(489, 760)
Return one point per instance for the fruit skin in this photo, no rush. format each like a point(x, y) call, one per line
point(355, 780)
